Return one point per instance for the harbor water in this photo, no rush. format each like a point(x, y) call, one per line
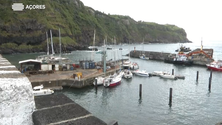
point(192, 103)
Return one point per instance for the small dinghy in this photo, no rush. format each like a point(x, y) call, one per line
point(168, 76)
point(158, 73)
point(141, 73)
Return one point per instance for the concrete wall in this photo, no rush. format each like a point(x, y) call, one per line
point(16, 96)
point(198, 59)
point(152, 55)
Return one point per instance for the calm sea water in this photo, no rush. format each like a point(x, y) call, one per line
point(192, 103)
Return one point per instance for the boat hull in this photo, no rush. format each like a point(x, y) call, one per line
point(43, 92)
point(141, 73)
point(168, 77)
point(134, 66)
point(214, 68)
point(144, 58)
point(114, 84)
point(127, 76)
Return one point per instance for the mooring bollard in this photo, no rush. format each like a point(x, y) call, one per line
point(96, 83)
point(197, 76)
point(210, 80)
point(170, 98)
point(209, 86)
point(211, 74)
point(140, 91)
point(172, 71)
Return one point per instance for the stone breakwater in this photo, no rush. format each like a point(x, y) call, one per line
point(16, 97)
point(198, 58)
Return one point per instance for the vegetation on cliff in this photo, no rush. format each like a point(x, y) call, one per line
point(25, 31)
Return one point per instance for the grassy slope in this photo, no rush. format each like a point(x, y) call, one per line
point(25, 31)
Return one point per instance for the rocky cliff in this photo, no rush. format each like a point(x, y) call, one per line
point(25, 31)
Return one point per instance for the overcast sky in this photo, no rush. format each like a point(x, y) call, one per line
point(199, 18)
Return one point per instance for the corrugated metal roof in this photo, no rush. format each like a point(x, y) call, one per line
point(29, 60)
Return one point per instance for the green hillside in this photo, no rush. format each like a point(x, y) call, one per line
point(25, 31)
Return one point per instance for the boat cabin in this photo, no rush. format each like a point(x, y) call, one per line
point(180, 57)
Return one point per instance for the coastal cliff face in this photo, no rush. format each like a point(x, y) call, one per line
point(25, 31)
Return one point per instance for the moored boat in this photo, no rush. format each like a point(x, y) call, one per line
point(126, 64)
point(112, 81)
point(141, 73)
point(127, 74)
point(144, 57)
point(38, 91)
point(183, 49)
point(168, 76)
point(215, 65)
point(158, 73)
point(182, 59)
point(134, 66)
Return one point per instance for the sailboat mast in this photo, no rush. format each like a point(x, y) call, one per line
point(60, 45)
point(104, 58)
point(129, 51)
point(143, 45)
point(52, 43)
point(201, 44)
point(115, 52)
point(47, 43)
point(94, 40)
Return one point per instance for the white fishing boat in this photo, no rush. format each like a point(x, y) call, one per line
point(38, 91)
point(126, 64)
point(158, 73)
point(215, 65)
point(143, 56)
point(127, 74)
point(134, 66)
point(168, 76)
point(141, 73)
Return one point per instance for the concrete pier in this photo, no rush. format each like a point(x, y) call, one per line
point(59, 79)
point(65, 78)
point(197, 57)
